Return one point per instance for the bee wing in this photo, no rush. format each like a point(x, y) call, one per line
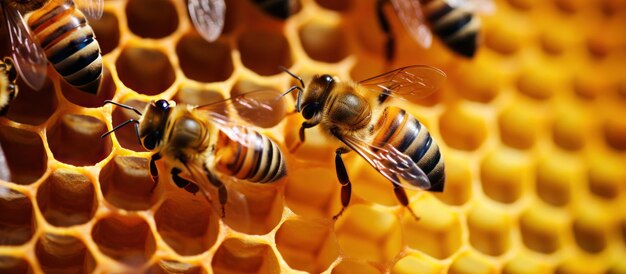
point(5, 172)
point(258, 103)
point(391, 163)
point(411, 16)
point(207, 17)
point(92, 8)
point(30, 59)
point(480, 6)
point(414, 81)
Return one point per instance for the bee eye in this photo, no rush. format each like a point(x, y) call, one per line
point(162, 105)
point(327, 78)
point(309, 110)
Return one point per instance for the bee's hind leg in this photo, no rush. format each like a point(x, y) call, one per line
point(403, 199)
point(383, 22)
point(154, 173)
point(342, 176)
point(221, 189)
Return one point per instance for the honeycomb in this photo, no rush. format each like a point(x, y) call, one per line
point(532, 130)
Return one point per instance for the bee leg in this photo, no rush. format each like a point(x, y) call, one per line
point(154, 173)
point(390, 45)
point(179, 181)
point(403, 199)
point(302, 136)
point(342, 175)
point(221, 189)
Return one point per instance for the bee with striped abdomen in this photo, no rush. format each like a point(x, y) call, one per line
point(207, 146)
point(280, 9)
point(390, 139)
point(453, 21)
point(8, 89)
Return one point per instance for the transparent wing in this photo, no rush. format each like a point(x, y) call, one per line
point(5, 172)
point(207, 17)
point(30, 60)
point(411, 16)
point(247, 106)
point(480, 6)
point(391, 163)
point(412, 81)
point(92, 8)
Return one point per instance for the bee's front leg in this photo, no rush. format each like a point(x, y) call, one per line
point(154, 172)
point(302, 136)
point(342, 175)
point(182, 182)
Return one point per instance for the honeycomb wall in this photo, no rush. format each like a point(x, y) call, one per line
point(532, 130)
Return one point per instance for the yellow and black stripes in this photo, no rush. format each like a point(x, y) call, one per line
point(257, 159)
point(409, 136)
point(456, 27)
point(69, 43)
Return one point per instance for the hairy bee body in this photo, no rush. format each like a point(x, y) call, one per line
point(69, 44)
point(26, 5)
point(457, 27)
point(8, 89)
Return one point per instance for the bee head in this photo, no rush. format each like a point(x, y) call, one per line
point(152, 124)
point(310, 102)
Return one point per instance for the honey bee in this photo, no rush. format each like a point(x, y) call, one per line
point(8, 89)
point(280, 9)
point(453, 21)
point(208, 146)
point(390, 139)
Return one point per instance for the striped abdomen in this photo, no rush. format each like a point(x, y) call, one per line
point(259, 160)
point(409, 136)
point(69, 43)
point(456, 27)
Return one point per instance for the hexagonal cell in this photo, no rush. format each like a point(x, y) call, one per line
point(83, 99)
point(504, 38)
point(127, 184)
point(107, 30)
point(523, 263)
point(25, 157)
point(168, 267)
point(478, 81)
point(504, 175)
point(538, 81)
point(63, 254)
point(510, 122)
point(307, 245)
point(264, 107)
point(368, 233)
point(614, 130)
point(557, 38)
point(241, 256)
point(17, 223)
point(127, 239)
point(458, 189)
point(14, 265)
point(342, 6)
point(203, 61)
point(569, 127)
point(347, 266)
point(146, 71)
point(323, 42)
point(313, 192)
point(590, 83)
point(471, 262)
point(263, 205)
point(580, 264)
point(146, 18)
point(489, 229)
point(416, 263)
point(83, 133)
point(264, 58)
point(438, 233)
point(198, 96)
point(187, 225)
point(543, 228)
point(605, 175)
point(462, 127)
point(126, 136)
point(601, 43)
point(33, 107)
point(555, 174)
point(67, 198)
point(590, 237)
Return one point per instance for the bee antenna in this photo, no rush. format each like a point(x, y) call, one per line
point(122, 106)
point(122, 125)
point(293, 75)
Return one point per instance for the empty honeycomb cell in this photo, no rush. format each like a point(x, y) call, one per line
point(470, 262)
point(569, 6)
point(126, 183)
point(543, 228)
point(145, 71)
point(127, 136)
point(33, 107)
point(415, 263)
point(63, 254)
point(25, 156)
point(168, 267)
point(17, 223)
point(266, 109)
point(438, 233)
point(67, 198)
point(107, 30)
point(569, 128)
point(556, 39)
point(504, 38)
point(523, 263)
point(579, 265)
point(264, 58)
point(590, 84)
point(325, 43)
point(555, 174)
point(14, 265)
point(307, 245)
point(589, 236)
point(263, 205)
point(187, 225)
point(369, 234)
point(605, 175)
point(83, 99)
point(504, 174)
point(479, 82)
point(147, 18)
point(519, 125)
point(458, 190)
point(312, 193)
point(462, 127)
point(352, 266)
point(489, 229)
point(341, 6)
point(203, 61)
point(537, 82)
point(83, 133)
point(127, 239)
point(243, 256)
point(601, 43)
point(200, 96)
point(614, 131)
